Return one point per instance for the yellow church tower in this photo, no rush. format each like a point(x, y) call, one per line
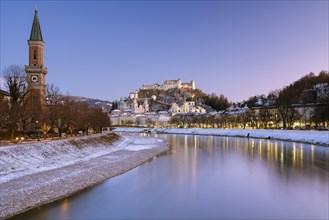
point(36, 72)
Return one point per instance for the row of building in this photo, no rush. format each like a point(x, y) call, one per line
point(163, 118)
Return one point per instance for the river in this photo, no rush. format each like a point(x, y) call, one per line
point(209, 177)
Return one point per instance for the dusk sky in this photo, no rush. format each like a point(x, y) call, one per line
point(107, 49)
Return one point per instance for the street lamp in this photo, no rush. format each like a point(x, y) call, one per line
point(37, 122)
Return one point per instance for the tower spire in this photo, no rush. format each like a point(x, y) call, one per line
point(36, 71)
point(36, 34)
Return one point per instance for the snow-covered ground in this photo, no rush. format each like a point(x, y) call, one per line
point(311, 137)
point(23, 159)
point(37, 173)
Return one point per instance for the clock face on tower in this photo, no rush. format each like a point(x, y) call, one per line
point(34, 79)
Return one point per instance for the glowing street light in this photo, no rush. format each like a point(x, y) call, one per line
point(37, 122)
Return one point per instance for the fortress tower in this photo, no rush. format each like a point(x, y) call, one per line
point(36, 72)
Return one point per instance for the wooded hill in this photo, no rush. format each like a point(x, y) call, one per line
point(310, 88)
point(180, 95)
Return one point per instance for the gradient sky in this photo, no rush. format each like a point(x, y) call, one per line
point(106, 49)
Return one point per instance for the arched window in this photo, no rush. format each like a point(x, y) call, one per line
point(35, 54)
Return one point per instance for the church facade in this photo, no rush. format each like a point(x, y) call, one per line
point(36, 71)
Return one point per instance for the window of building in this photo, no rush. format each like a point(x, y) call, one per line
point(34, 100)
point(35, 54)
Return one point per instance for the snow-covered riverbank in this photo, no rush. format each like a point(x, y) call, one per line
point(34, 174)
point(310, 137)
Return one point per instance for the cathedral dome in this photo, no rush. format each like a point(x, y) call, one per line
point(121, 104)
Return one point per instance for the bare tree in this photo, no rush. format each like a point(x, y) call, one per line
point(150, 122)
point(53, 95)
point(285, 102)
point(98, 119)
point(138, 121)
point(265, 116)
point(16, 81)
point(174, 121)
point(4, 113)
point(19, 118)
point(244, 118)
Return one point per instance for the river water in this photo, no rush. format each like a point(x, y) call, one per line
point(210, 177)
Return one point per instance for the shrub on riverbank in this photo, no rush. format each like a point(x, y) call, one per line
point(107, 139)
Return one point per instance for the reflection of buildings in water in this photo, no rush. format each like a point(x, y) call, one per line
point(225, 144)
point(312, 154)
point(297, 155)
point(185, 141)
point(252, 148)
point(260, 147)
point(276, 151)
point(194, 165)
point(195, 141)
point(282, 156)
point(64, 208)
point(174, 139)
point(246, 148)
point(268, 151)
point(185, 165)
point(301, 157)
point(210, 144)
point(294, 155)
point(188, 165)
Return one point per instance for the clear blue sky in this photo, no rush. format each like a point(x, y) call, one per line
point(106, 49)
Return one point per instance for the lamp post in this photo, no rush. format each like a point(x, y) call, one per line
point(37, 122)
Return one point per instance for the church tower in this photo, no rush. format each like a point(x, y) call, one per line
point(36, 72)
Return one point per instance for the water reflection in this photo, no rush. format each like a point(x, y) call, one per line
point(210, 177)
point(284, 156)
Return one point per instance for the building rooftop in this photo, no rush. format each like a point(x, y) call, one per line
point(36, 34)
point(4, 93)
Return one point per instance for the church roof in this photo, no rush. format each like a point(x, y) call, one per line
point(36, 30)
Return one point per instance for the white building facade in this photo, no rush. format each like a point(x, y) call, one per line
point(187, 107)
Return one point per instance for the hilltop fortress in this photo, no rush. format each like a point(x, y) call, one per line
point(157, 103)
point(171, 84)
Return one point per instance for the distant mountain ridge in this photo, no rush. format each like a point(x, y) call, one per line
point(96, 103)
